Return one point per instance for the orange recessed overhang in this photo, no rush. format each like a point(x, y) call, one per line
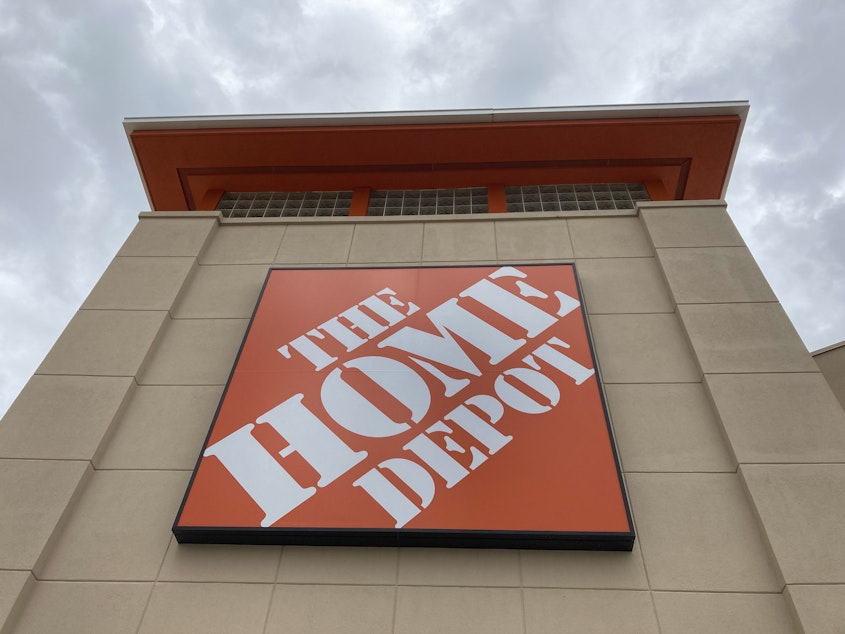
point(683, 151)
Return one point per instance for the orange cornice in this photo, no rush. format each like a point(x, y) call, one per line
point(183, 163)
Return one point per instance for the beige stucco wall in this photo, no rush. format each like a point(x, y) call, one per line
point(731, 443)
point(831, 362)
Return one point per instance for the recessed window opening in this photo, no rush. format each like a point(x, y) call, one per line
point(587, 197)
point(424, 202)
point(284, 204)
point(419, 202)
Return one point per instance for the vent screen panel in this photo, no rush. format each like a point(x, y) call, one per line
point(284, 204)
point(591, 197)
point(425, 202)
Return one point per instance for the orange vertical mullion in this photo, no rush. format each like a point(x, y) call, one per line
point(496, 201)
point(360, 201)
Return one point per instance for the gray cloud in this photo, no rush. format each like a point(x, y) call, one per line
point(787, 189)
point(72, 71)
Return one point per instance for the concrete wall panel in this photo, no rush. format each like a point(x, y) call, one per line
point(673, 300)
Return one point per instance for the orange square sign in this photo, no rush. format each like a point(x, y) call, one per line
point(412, 406)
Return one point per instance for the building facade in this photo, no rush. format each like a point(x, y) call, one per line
point(730, 441)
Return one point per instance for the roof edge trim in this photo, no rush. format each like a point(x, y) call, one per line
point(486, 115)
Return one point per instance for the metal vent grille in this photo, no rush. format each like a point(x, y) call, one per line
point(593, 197)
point(286, 204)
point(418, 202)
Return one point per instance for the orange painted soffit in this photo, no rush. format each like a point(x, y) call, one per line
point(690, 156)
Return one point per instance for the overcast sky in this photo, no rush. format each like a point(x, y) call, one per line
point(70, 71)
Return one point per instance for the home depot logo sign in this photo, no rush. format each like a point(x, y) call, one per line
point(435, 400)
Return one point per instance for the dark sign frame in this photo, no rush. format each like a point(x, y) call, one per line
point(409, 537)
